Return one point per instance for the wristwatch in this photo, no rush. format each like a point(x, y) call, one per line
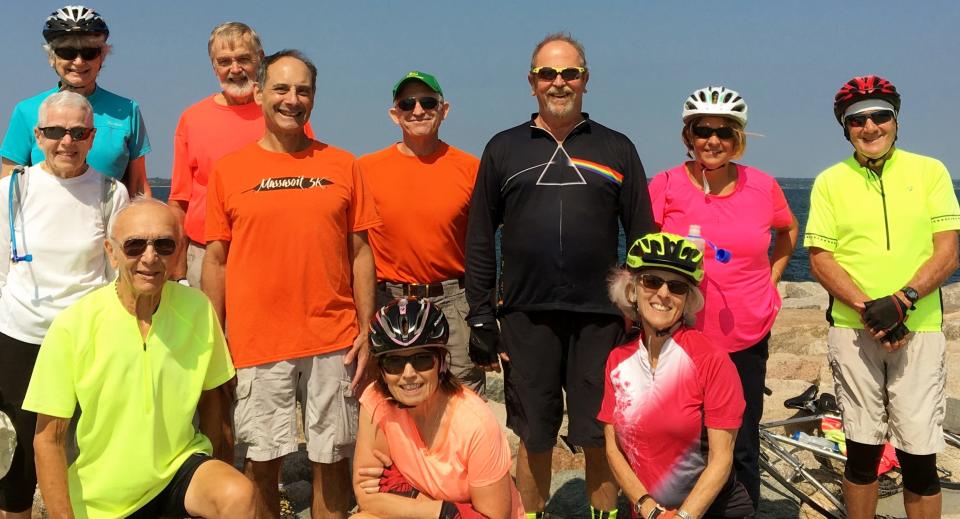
point(639, 504)
point(683, 514)
point(912, 295)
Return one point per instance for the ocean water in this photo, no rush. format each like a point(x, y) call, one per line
point(797, 192)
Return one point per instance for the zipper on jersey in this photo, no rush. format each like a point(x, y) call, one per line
point(883, 201)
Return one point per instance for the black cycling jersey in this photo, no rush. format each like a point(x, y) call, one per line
point(559, 204)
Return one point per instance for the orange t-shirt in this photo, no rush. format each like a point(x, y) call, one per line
point(288, 218)
point(424, 203)
point(470, 450)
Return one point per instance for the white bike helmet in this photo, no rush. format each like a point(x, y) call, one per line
point(716, 100)
point(73, 19)
point(8, 443)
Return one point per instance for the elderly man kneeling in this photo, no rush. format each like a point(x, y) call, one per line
point(138, 357)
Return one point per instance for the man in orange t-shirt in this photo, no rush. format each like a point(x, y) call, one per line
point(422, 187)
point(212, 127)
point(289, 268)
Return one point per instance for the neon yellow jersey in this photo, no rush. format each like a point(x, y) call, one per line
point(880, 228)
point(137, 397)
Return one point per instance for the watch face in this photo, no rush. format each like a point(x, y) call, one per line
point(911, 294)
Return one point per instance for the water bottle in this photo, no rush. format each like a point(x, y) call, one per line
point(815, 441)
point(693, 235)
point(720, 254)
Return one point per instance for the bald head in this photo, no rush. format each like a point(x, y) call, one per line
point(143, 217)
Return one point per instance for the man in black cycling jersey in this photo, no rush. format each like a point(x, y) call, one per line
point(558, 184)
point(882, 234)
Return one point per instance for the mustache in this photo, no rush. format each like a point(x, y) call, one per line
point(560, 90)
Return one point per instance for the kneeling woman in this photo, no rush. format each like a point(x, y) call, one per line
point(426, 446)
point(672, 402)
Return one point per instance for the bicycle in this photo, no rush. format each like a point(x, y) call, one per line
point(788, 461)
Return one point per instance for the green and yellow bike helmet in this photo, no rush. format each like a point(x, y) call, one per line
point(669, 252)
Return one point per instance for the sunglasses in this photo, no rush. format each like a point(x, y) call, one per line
point(651, 282)
point(426, 102)
point(395, 364)
point(77, 133)
point(71, 53)
point(705, 132)
point(551, 73)
point(860, 120)
point(134, 247)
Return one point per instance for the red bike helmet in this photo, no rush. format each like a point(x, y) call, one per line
point(864, 87)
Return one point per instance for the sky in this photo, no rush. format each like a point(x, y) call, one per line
point(787, 59)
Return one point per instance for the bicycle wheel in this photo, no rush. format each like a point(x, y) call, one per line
point(788, 469)
point(948, 462)
point(786, 484)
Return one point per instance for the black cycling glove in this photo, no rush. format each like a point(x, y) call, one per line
point(896, 333)
point(884, 313)
point(484, 343)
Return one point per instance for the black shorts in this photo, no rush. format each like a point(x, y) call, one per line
point(16, 365)
point(169, 502)
point(552, 351)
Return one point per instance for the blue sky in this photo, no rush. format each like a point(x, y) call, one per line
point(786, 58)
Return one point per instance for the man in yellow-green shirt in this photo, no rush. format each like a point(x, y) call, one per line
point(139, 358)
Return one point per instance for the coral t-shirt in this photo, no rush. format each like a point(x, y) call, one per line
point(659, 415)
point(288, 218)
point(470, 450)
point(740, 302)
point(424, 203)
point(206, 132)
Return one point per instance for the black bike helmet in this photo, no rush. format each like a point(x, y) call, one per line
point(408, 323)
point(73, 19)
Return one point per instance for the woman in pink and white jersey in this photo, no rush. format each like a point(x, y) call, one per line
point(672, 403)
point(735, 207)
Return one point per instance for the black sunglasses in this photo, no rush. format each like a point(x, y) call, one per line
point(78, 133)
point(395, 364)
point(426, 102)
point(134, 247)
point(860, 120)
point(651, 282)
point(705, 132)
point(551, 73)
point(71, 53)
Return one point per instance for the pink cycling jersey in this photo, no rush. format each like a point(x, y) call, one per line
point(741, 302)
point(659, 415)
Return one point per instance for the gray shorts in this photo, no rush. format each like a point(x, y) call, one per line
point(195, 254)
point(899, 394)
point(265, 416)
point(454, 305)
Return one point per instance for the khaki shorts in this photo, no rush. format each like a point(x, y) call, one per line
point(899, 395)
point(195, 254)
point(265, 416)
point(453, 304)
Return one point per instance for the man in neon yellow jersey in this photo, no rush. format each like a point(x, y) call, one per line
point(139, 357)
point(882, 235)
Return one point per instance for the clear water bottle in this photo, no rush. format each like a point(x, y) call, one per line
point(815, 441)
point(694, 236)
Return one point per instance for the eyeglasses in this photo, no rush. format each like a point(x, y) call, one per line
point(134, 247)
point(860, 120)
point(705, 132)
point(71, 53)
point(675, 286)
point(78, 133)
point(551, 73)
point(395, 364)
point(426, 102)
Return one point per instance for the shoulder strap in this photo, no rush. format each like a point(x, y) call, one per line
point(108, 188)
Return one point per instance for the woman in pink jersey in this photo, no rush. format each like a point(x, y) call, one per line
point(735, 208)
point(426, 446)
point(672, 403)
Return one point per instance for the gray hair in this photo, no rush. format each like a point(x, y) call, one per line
point(286, 53)
point(63, 99)
point(234, 31)
point(559, 36)
point(79, 40)
point(622, 289)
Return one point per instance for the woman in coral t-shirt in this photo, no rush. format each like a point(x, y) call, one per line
point(426, 446)
point(736, 207)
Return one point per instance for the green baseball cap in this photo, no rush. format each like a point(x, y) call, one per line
point(416, 75)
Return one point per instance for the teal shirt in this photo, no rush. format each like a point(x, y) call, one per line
point(121, 135)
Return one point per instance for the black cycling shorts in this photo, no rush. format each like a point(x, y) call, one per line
point(16, 365)
point(169, 502)
point(553, 351)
